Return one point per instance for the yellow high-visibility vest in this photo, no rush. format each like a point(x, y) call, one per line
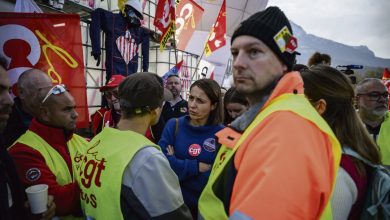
point(54, 161)
point(383, 140)
point(106, 158)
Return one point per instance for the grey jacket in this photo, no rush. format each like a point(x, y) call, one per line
point(150, 188)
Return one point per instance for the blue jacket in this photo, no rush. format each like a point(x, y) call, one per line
point(114, 26)
point(192, 145)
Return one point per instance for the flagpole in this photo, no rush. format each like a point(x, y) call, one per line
point(227, 71)
point(200, 58)
point(174, 34)
point(174, 43)
point(220, 15)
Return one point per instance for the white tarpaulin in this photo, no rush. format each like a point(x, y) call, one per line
point(236, 11)
point(26, 6)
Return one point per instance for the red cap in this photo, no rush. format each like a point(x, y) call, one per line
point(114, 81)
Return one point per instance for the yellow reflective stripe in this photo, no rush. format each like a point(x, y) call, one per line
point(211, 207)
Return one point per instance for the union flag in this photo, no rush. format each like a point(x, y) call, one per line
point(217, 36)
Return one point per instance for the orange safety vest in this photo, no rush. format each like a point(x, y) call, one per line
point(210, 204)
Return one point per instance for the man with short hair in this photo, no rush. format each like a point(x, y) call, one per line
point(125, 175)
point(174, 108)
point(279, 159)
point(46, 153)
point(372, 99)
point(26, 104)
point(177, 107)
point(108, 117)
point(11, 192)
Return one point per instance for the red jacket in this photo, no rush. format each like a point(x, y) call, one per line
point(32, 168)
point(97, 120)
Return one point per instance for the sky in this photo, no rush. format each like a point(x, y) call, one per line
point(351, 22)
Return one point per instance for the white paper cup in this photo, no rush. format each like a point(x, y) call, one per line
point(37, 197)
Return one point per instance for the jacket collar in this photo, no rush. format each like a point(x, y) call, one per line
point(54, 136)
point(290, 83)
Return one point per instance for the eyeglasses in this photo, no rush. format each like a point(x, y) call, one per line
point(110, 94)
point(55, 90)
point(375, 96)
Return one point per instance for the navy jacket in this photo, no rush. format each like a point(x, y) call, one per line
point(192, 145)
point(115, 26)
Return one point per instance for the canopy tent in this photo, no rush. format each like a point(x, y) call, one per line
point(236, 11)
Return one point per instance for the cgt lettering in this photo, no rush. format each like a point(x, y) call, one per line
point(89, 199)
point(91, 168)
point(194, 150)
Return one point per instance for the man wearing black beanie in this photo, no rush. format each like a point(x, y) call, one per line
point(279, 159)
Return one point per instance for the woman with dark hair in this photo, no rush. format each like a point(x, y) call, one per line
point(332, 94)
point(235, 104)
point(189, 142)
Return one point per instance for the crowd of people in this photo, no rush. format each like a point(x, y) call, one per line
point(271, 147)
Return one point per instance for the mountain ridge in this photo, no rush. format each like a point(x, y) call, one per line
point(341, 54)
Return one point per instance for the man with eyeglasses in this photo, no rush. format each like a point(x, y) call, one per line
point(46, 153)
point(372, 100)
point(26, 104)
point(108, 117)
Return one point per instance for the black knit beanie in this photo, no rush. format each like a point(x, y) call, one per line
point(272, 27)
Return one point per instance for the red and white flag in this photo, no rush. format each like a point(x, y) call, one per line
point(217, 36)
point(165, 20)
point(127, 47)
point(51, 43)
point(188, 15)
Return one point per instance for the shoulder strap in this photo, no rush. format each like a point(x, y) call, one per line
point(348, 151)
point(177, 127)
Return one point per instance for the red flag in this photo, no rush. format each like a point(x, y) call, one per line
point(212, 75)
point(165, 20)
point(386, 74)
point(217, 36)
point(188, 14)
point(51, 43)
point(386, 81)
